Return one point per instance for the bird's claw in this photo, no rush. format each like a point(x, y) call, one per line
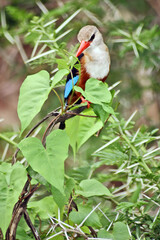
point(86, 101)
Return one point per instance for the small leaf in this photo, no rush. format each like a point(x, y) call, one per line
point(125, 206)
point(87, 128)
point(48, 162)
point(83, 211)
point(58, 76)
point(105, 235)
point(33, 93)
point(100, 112)
point(108, 109)
point(22, 234)
point(95, 91)
point(92, 187)
point(70, 183)
point(43, 207)
point(62, 64)
point(72, 126)
point(120, 231)
point(80, 129)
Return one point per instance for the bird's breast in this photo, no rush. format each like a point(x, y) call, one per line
point(98, 66)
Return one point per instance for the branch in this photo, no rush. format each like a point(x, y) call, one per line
point(19, 209)
point(33, 229)
point(62, 118)
point(21, 205)
point(51, 114)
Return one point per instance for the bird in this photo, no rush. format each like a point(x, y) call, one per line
point(94, 58)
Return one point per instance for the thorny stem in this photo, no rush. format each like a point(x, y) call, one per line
point(143, 164)
point(131, 146)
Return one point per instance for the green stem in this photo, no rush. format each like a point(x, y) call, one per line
point(58, 98)
point(143, 164)
point(131, 146)
point(8, 140)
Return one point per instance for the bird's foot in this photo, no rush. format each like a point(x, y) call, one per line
point(86, 101)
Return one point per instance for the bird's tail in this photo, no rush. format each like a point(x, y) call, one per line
point(62, 125)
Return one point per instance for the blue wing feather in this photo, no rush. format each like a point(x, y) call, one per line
point(69, 86)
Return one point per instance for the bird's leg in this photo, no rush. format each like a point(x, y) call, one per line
point(84, 100)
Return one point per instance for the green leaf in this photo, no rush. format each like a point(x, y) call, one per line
point(62, 64)
point(125, 206)
point(120, 231)
point(92, 187)
point(108, 108)
point(95, 91)
point(43, 207)
point(12, 180)
point(87, 128)
point(83, 211)
point(136, 193)
point(100, 112)
point(58, 76)
point(21, 234)
point(48, 162)
point(72, 130)
point(80, 129)
point(33, 93)
point(70, 184)
point(105, 235)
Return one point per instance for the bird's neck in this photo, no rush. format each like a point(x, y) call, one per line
point(97, 61)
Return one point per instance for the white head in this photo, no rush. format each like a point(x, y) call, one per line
point(89, 37)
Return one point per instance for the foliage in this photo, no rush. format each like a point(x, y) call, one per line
point(114, 193)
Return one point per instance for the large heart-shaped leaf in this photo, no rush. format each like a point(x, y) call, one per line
point(48, 162)
point(12, 180)
point(33, 93)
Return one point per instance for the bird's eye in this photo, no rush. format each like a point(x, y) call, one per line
point(92, 37)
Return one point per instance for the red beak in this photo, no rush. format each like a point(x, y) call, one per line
point(82, 47)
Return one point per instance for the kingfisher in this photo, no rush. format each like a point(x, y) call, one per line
point(94, 58)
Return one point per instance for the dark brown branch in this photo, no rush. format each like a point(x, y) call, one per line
point(54, 113)
point(29, 222)
point(21, 205)
point(62, 118)
point(19, 209)
point(51, 114)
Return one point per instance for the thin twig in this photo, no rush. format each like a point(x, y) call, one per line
point(49, 129)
